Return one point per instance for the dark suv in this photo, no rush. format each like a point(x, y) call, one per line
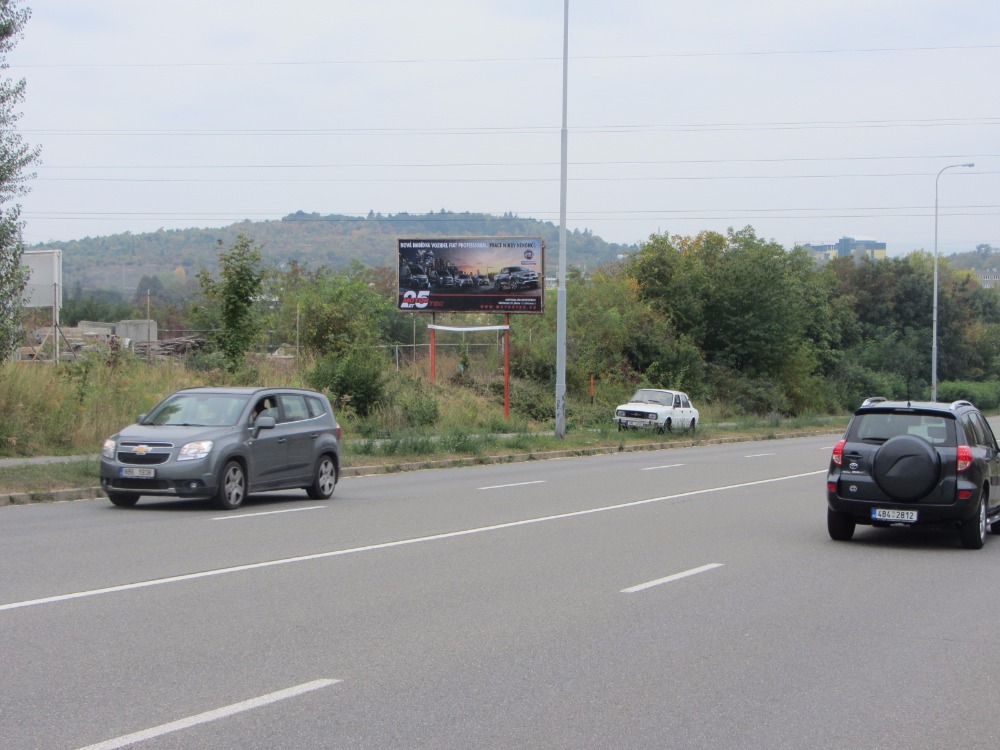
point(916, 463)
point(515, 278)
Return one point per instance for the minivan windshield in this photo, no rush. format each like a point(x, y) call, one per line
point(198, 410)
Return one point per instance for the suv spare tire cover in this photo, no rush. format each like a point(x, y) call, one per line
point(906, 467)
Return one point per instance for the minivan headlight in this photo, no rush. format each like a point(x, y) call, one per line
point(108, 451)
point(193, 451)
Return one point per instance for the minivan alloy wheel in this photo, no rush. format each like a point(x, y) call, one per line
point(233, 487)
point(326, 480)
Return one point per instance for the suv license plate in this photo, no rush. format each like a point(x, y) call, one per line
point(132, 472)
point(888, 514)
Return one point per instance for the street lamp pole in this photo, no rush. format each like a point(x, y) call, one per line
point(560, 425)
point(934, 316)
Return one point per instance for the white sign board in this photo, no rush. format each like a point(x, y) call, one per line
point(45, 287)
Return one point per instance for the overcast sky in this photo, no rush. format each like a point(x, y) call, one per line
point(807, 121)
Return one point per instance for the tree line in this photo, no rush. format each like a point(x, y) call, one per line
point(312, 239)
point(730, 318)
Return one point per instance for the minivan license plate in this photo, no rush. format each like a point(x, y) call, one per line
point(136, 472)
point(899, 516)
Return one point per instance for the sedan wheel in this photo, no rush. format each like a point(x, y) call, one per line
point(326, 479)
point(232, 488)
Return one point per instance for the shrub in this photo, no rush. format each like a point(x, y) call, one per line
point(358, 375)
point(985, 395)
point(203, 360)
point(532, 400)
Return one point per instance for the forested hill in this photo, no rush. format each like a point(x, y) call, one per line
point(312, 240)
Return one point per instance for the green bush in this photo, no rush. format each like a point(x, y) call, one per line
point(356, 379)
point(746, 395)
point(456, 440)
point(419, 406)
point(532, 400)
point(853, 383)
point(985, 395)
point(204, 360)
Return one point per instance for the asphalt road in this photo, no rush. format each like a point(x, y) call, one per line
point(685, 598)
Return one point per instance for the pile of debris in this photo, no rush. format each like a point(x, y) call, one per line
point(178, 347)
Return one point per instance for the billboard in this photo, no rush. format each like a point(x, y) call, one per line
point(471, 274)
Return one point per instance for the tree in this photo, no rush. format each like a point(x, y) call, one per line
point(343, 319)
point(334, 312)
point(15, 157)
point(234, 297)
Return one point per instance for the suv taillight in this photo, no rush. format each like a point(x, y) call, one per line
point(964, 457)
point(838, 452)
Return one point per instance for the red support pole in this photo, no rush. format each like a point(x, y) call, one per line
point(506, 369)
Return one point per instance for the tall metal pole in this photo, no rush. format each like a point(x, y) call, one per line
point(934, 315)
point(149, 334)
point(561, 292)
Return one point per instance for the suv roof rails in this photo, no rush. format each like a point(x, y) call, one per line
point(961, 402)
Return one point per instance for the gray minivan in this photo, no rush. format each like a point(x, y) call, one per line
point(224, 444)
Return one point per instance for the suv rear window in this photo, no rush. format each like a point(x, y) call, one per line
point(879, 427)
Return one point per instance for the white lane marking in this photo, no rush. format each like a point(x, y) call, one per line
point(218, 713)
point(267, 513)
point(392, 545)
point(515, 484)
point(668, 579)
point(760, 455)
point(668, 466)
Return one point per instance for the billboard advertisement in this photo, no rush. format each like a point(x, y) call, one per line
point(472, 274)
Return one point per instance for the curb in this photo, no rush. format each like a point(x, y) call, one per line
point(91, 493)
point(51, 496)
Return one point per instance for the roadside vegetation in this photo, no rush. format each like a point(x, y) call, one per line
point(761, 338)
point(70, 409)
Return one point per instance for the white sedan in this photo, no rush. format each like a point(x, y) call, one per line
point(657, 409)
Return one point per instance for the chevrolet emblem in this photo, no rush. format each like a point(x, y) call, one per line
point(141, 450)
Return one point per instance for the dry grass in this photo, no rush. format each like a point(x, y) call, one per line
point(70, 409)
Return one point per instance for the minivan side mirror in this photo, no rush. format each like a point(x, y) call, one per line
point(263, 423)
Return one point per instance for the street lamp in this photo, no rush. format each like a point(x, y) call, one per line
point(934, 317)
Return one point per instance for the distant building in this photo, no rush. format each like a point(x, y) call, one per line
point(989, 279)
point(848, 247)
